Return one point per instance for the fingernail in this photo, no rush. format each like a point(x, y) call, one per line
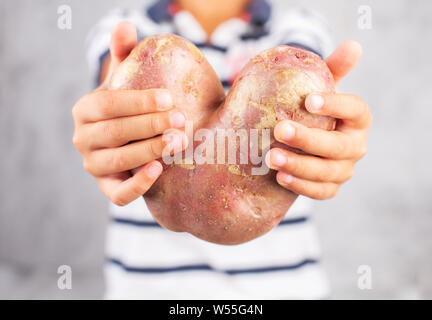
point(177, 119)
point(285, 178)
point(315, 102)
point(163, 100)
point(154, 170)
point(288, 132)
point(267, 159)
point(277, 159)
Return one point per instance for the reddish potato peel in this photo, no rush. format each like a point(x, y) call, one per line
point(225, 203)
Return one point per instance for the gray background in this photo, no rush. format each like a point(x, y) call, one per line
point(51, 212)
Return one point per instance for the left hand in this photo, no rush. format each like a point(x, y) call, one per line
point(337, 151)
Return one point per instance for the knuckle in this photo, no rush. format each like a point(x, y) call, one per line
point(363, 109)
point(364, 106)
point(105, 101)
point(156, 124)
point(115, 129)
point(159, 122)
point(77, 141)
point(155, 148)
point(87, 166)
point(306, 139)
point(369, 118)
point(76, 109)
point(323, 175)
point(296, 166)
point(75, 112)
point(358, 99)
point(339, 148)
point(139, 104)
point(362, 151)
point(290, 166)
point(118, 161)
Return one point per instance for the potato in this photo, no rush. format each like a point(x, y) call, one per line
point(225, 202)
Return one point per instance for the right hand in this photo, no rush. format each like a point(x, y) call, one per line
point(119, 131)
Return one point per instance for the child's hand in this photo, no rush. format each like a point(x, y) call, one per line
point(320, 176)
point(107, 121)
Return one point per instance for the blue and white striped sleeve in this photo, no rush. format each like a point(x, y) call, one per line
point(98, 39)
point(303, 28)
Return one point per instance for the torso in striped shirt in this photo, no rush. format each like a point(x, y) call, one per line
point(147, 262)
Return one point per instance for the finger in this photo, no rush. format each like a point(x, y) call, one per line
point(106, 104)
point(109, 161)
point(318, 142)
point(344, 59)
point(123, 40)
point(117, 132)
point(352, 109)
point(124, 188)
point(309, 167)
point(311, 189)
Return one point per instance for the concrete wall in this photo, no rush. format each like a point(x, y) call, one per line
point(51, 212)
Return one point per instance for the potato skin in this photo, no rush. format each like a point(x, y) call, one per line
point(171, 62)
point(225, 203)
point(274, 85)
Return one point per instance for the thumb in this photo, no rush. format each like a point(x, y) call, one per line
point(123, 40)
point(344, 59)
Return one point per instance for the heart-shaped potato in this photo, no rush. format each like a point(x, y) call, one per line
point(221, 199)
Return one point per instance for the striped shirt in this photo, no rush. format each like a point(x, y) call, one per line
point(145, 261)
